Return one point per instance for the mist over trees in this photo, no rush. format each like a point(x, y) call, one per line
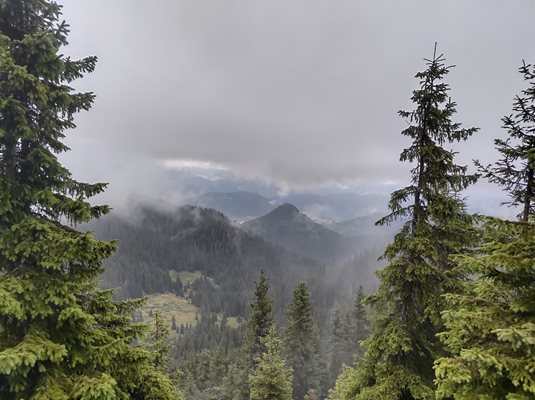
point(278, 308)
point(301, 343)
point(61, 337)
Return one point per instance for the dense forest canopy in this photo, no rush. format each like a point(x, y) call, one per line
point(236, 295)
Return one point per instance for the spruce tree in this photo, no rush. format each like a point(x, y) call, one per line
point(398, 363)
point(515, 171)
point(490, 328)
point(341, 345)
point(159, 343)
point(271, 378)
point(301, 342)
point(260, 319)
point(348, 333)
point(259, 324)
point(61, 337)
point(358, 322)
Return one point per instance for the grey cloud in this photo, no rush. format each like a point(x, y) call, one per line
point(298, 92)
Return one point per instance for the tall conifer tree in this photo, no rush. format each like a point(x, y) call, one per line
point(358, 322)
point(259, 324)
point(60, 336)
point(515, 171)
point(271, 378)
point(159, 343)
point(490, 328)
point(348, 333)
point(341, 346)
point(301, 342)
point(260, 318)
point(398, 364)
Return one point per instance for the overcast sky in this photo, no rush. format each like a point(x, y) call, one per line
point(296, 92)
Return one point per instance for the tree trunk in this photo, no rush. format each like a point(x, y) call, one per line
point(528, 196)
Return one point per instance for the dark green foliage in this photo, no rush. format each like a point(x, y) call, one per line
point(398, 363)
point(301, 343)
point(202, 375)
point(207, 334)
point(491, 326)
point(260, 318)
point(259, 324)
point(159, 343)
point(60, 336)
point(235, 383)
point(271, 379)
point(358, 321)
point(341, 346)
point(515, 170)
point(348, 330)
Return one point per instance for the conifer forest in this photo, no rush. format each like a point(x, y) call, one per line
point(220, 201)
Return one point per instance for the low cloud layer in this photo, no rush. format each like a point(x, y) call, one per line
point(297, 92)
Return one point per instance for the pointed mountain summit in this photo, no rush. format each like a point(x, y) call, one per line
point(284, 212)
point(289, 228)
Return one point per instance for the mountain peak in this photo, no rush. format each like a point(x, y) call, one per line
point(285, 211)
point(287, 227)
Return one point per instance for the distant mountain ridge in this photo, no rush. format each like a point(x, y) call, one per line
point(287, 227)
point(338, 206)
point(244, 205)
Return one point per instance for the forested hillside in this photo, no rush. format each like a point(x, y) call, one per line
point(156, 244)
point(163, 301)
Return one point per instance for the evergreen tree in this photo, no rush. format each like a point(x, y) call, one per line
point(159, 343)
point(341, 349)
point(202, 375)
point(348, 331)
point(259, 324)
point(260, 319)
point(271, 379)
point(491, 327)
point(358, 322)
point(60, 336)
point(301, 342)
point(398, 362)
point(346, 386)
point(515, 171)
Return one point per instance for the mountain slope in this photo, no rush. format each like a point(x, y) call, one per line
point(156, 244)
point(289, 228)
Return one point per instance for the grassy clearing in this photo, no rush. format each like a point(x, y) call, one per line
point(170, 305)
